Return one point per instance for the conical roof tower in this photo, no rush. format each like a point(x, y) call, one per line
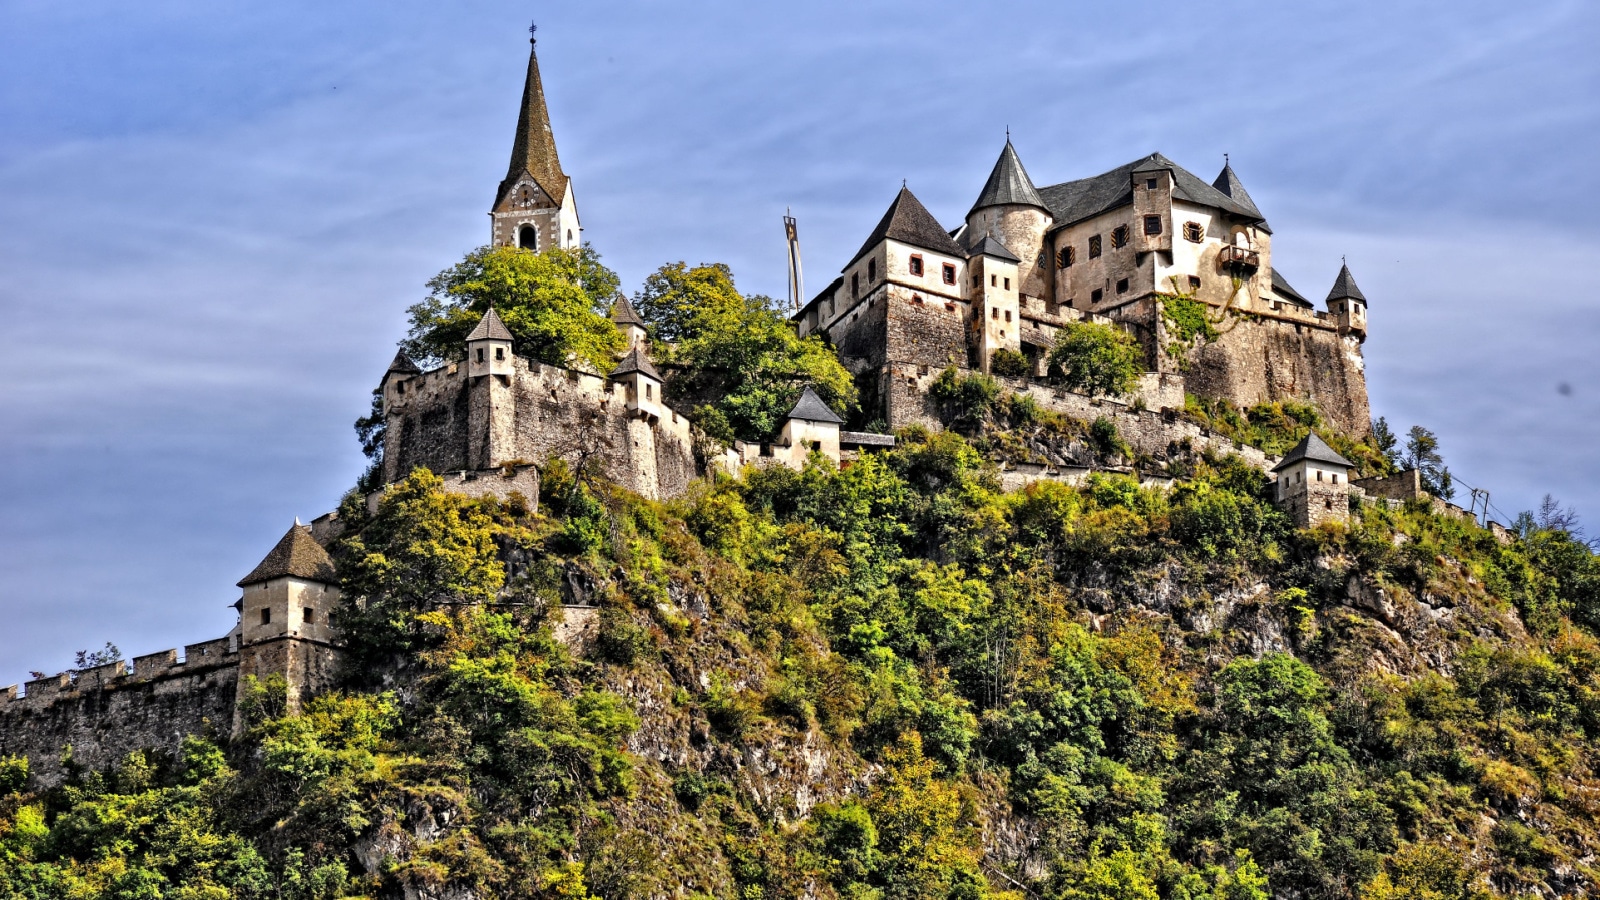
point(533, 150)
point(1009, 184)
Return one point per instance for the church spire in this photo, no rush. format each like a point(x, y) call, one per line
point(533, 152)
point(534, 206)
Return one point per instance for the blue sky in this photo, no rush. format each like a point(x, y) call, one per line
point(213, 215)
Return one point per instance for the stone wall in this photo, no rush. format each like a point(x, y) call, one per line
point(107, 712)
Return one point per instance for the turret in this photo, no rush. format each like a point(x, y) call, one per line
point(284, 624)
point(489, 347)
point(642, 382)
point(1010, 208)
point(996, 314)
point(394, 384)
point(1347, 304)
point(1314, 483)
point(810, 427)
point(628, 322)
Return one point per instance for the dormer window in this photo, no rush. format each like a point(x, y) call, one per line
point(1119, 237)
point(916, 265)
point(1094, 246)
point(949, 272)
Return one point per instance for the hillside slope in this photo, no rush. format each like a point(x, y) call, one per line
point(893, 681)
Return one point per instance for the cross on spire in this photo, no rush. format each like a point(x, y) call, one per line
point(533, 33)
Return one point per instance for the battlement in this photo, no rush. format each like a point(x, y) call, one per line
point(151, 667)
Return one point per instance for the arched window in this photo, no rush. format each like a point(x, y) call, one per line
point(528, 237)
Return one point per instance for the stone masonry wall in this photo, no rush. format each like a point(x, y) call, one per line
point(108, 712)
point(1261, 359)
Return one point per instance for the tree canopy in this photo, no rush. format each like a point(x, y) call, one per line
point(555, 303)
point(743, 366)
point(1097, 359)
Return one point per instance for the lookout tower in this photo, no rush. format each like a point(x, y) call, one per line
point(1314, 483)
point(534, 207)
point(284, 626)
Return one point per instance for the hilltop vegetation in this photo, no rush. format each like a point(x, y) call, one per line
point(893, 681)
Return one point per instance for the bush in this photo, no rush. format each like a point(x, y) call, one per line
point(1008, 363)
point(965, 400)
point(1097, 359)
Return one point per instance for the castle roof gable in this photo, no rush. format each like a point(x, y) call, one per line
point(297, 555)
point(490, 328)
point(402, 365)
point(989, 245)
point(1312, 449)
point(1282, 288)
point(1344, 287)
point(811, 408)
point(623, 313)
point(635, 361)
point(909, 222)
point(1075, 201)
point(1009, 184)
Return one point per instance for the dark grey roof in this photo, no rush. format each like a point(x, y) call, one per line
point(865, 439)
point(988, 245)
point(1009, 183)
point(297, 555)
point(490, 328)
point(909, 222)
point(1344, 287)
point(402, 365)
point(811, 408)
point(623, 313)
point(1228, 183)
point(1075, 201)
point(635, 361)
point(1314, 449)
point(1282, 288)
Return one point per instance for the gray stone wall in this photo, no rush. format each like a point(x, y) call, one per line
point(1259, 359)
point(108, 712)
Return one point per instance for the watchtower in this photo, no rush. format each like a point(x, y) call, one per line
point(1314, 483)
point(284, 616)
point(1347, 304)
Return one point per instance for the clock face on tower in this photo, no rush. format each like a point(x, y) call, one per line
point(527, 194)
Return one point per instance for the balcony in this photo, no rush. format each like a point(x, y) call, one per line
point(1239, 260)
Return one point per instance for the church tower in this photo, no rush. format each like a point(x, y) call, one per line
point(534, 207)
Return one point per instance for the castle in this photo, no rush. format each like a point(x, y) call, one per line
point(1115, 248)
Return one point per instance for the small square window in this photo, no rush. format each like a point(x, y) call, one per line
point(1193, 232)
point(1194, 281)
point(1152, 224)
point(1094, 246)
point(916, 265)
point(1122, 285)
point(1095, 295)
point(1149, 184)
point(949, 274)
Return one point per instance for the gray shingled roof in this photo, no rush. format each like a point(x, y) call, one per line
point(1314, 449)
point(533, 150)
point(1344, 287)
point(635, 361)
point(811, 408)
point(1075, 201)
point(1282, 288)
point(988, 245)
point(297, 555)
point(623, 313)
point(909, 222)
point(1009, 183)
point(1228, 183)
point(490, 328)
point(402, 365)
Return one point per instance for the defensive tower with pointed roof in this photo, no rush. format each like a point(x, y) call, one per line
point(534, 207)
point(284, 625)
point(1313, 483)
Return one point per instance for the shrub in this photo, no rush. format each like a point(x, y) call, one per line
point(1008, 363)
point(966, 400)
point(1097, 359)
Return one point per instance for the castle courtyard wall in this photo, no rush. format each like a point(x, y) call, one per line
point(1260, 359)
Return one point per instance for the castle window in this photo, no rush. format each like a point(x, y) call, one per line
point(1008, 284)
point(916, 265)
point(1336, 478)
point(527, 237)
point(949, 274)
point(400, 388)
point(855, 284)
point(1008, 315)
point(1122, 285)
point(1193, 232)
point(569, 235)
point(1065, 257)
point(311, 614)
point(480, 354)
point(649, 391)
point(994, 280)
point(1094, 246)
point(1095, 295)
point(1319, 474)
point(1194, 281)
point(1119, 237)
point(977, 280)
point(1152, 224)
point(1149, 184)
point(1327, 504)
point(872, 271)
point(266, 617)
point(499, 354)
point(816, 446)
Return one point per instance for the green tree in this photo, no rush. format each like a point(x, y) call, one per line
point(1422, 454)
point(1097, 359)
point(743, 366)
point(555, 303)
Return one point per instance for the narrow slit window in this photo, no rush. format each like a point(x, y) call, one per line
point(872, 271)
